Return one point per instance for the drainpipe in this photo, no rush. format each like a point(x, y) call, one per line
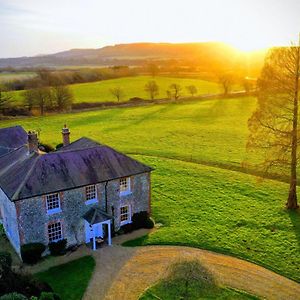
point(105, 188)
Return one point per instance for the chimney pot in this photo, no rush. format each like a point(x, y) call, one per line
point(33, 142)
point(66, 135)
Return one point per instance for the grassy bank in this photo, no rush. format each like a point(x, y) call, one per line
point(69, 280)
point(133, 87)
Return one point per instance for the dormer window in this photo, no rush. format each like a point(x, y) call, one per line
point(53, 203)
point(125, 186)
point(90, 194)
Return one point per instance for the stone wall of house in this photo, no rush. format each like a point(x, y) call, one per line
point(34, 220)
point(8, 215)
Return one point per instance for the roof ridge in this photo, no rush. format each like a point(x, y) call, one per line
point(73, 150)
point(4, 170)
point(18, 190)
point(12, 150)
point(121, 153)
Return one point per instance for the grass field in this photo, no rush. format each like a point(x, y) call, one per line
point(5, 77)
point(133, 87)
point(200, 206)
point(70, 280)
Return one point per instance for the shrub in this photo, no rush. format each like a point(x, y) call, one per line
point(5, 259)
point(139, 219)
point(13, 296)
point(48, 296)
point(58, 146)
point(46, 148)
point(142, 220)
point(127, 228)
point(58, 248)
point(31, 253)
point(149, 223)
point(2, 231)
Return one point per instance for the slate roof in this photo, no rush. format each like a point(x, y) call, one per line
point(11, 138)
point(95, 215)
point(83, 162)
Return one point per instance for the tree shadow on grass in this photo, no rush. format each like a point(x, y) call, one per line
point(295, 219)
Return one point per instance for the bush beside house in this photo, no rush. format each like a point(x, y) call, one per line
point(58, 248)
point(32, 253)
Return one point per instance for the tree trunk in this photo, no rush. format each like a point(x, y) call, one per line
point(292, 198)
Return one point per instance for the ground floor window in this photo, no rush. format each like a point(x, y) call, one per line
point(55, 232)
point(125, 215)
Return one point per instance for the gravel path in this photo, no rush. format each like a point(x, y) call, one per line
point(124, 273)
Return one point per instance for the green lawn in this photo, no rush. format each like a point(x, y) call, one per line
point(70, 280)
point(211, 132)
point(200, 206)
point(223, 211)
point(133, 87)
point(159, 291)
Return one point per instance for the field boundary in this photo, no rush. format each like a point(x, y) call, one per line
point(239, 169)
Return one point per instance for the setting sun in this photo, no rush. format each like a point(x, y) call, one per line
point(38, 27)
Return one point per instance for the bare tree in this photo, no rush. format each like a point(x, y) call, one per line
point(152, 88)
point(117, 92)
point(192, 89)
point(226, 80)
point(274, 124)
point(28, 99)
point(248, 84)
point(153, 69)
point(5, 99)
point(40, 97)
point(62, 96)
point(175, 90)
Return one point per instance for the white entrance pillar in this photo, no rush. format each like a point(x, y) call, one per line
point(94, 239)
point(109, 232)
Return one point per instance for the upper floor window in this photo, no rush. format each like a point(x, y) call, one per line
point(125, 185)
point(90, 194)
point(53, 203)
point(55, 232)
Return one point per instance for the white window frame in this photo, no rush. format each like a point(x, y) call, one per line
point(53, 210)
point(92, 200)
point(128, 220)
point(126, 191)
point(61, 232)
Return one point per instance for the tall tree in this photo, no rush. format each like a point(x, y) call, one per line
point(175, 90)
point(117, 92)
point(5, 99)
point(226, 80)
point(62, 96)
point(152, 88)
point(274, 124)
point(40, 97)
point(192, 89)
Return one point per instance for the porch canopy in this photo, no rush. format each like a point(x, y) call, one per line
point(97, 217)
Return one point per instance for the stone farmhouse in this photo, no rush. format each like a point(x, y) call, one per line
point(79, 192)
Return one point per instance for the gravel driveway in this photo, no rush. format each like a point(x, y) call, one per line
point(124, 273)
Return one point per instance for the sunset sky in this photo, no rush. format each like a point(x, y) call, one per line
point(31, 27)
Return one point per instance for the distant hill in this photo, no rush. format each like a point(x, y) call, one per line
point(208, 56)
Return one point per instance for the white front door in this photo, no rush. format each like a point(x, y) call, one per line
point(89, 231)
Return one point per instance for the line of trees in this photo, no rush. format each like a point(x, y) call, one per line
point(58, 97)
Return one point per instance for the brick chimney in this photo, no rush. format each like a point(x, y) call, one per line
point(66, 135)
point(33, 142)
